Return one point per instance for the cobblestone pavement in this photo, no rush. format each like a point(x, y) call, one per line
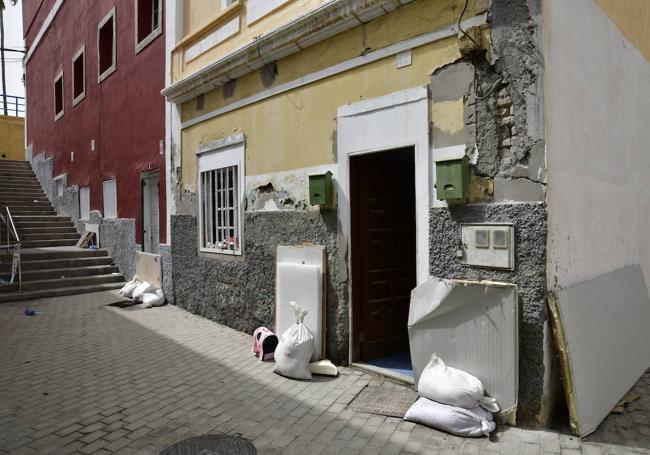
point(81, 377)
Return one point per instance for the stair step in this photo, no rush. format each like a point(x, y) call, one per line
point(47, 243)
point(30, 295)
point(21, 205)
point(54, 254)
point(26, 237)
point(70, 272)
point(46, 229)
point(17, 173)
point(51, 284)
point(33, 212)
point(19, 219)
point(64, 263)
point(20, 197)
point(27, 225)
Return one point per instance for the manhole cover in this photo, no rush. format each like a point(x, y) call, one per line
point(384, 401)
point(212, 444)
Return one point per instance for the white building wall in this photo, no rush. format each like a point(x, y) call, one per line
point(598, 145)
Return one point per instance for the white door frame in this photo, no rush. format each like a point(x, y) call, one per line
point(398, 120)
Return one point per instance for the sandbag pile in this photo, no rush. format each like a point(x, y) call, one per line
point(142, 291)
point(452, 400)
point(295, 348)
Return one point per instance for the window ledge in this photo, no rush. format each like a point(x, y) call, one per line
point(58, 116)
point(221, 252)
point(78, 99)
point(147, 40)
point(102, 77)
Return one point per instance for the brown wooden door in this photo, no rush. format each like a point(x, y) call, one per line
point(383, 250)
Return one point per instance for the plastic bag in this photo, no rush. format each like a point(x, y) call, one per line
point(453, 387)
point(452, 419)
point(141, 289)
point(295, 348)
point(153, 298)
point(129, 287)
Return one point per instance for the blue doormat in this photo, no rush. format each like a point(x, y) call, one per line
point(399, 363)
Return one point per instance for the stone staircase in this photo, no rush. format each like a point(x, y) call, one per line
point(51, 263)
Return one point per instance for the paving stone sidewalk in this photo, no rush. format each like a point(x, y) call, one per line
point(84, 378)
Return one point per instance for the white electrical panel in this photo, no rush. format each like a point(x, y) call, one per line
point(488, 245)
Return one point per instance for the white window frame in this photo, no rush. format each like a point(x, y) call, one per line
point(58, 115)
point(155, 32)
point(109, 193)
point(80, 53)
point(84, 202)
point(110, 70)
point(60, 184)
point(217, 155)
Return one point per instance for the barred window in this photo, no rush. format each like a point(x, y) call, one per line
point(220, 187)
point(220, 209)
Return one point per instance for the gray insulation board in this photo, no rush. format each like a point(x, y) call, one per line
point(606, 325)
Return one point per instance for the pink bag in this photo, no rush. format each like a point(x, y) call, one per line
point(264, 343)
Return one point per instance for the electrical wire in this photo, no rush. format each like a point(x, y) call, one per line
point(498, 81)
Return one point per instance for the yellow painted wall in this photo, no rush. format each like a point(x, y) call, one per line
point(632, 17)
point(196, 13)
point(12, 138)
point(297, 129)
point(410, 20)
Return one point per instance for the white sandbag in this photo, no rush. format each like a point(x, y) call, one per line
point(453, 387)
point(296, 346)
point(153, 298)
point(141, 289)
point(452, 419)
point(129, 287)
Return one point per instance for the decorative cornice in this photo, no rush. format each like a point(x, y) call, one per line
point(317, 25)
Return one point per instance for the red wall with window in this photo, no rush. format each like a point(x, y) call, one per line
point(124, 114)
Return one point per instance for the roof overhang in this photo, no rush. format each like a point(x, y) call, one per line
point(317, 25)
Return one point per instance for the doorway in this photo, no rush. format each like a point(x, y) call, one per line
point(384, 271)
point(151, 212)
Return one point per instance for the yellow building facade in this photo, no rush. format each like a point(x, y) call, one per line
point(269, 98)
point(12, 138)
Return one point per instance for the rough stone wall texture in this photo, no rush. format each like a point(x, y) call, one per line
point(168, 285)
point(508, 125)
point(529, 275)
point(42, 167)
point(117, 236)
point(240, 291)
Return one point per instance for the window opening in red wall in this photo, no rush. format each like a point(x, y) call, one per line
point(148, 22)
point(106, 46)
point(79, 76)
point(58, 96)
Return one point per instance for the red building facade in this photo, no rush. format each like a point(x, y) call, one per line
point(94, 72)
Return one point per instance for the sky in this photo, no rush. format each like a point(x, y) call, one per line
point(13, 20)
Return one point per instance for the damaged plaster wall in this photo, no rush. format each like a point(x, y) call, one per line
point(507, 127)
point(240, 291)
point(504, 141)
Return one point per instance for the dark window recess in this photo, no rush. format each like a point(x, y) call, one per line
point(58, 96)
point(106, 46)
point(78, 78)
point(148, 17)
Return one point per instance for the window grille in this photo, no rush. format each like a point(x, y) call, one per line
point(220, 210)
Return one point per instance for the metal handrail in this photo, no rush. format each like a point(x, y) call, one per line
point(11, 229)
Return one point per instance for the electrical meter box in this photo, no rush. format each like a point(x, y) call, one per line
point(452, 180)
point(320, 189)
